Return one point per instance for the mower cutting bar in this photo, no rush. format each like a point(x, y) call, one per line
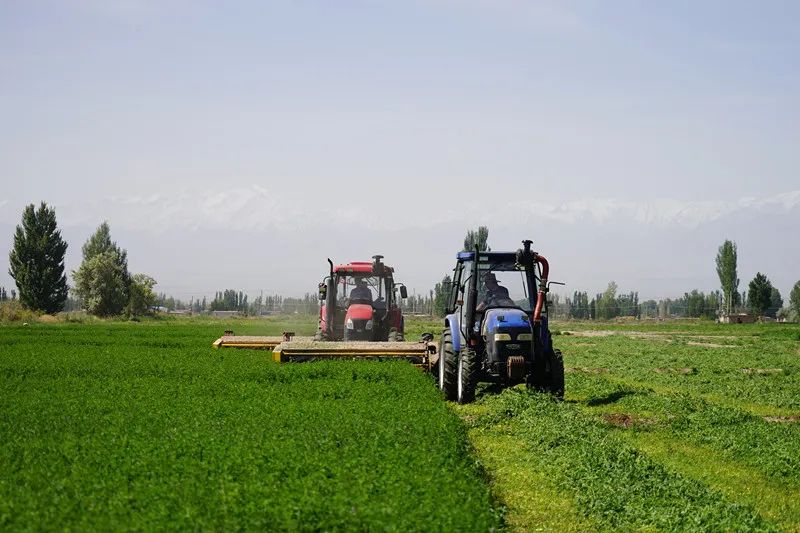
point(252, 342)
point(417, 353)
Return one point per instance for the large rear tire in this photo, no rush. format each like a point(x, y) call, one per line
point(556, 384)
point(467, 376)
point(550, 378)
point(448, 366)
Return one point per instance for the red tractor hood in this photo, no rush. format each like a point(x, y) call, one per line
point(359, 312)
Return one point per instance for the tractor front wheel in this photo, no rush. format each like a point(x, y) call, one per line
point(467, 376)
point(448, 366)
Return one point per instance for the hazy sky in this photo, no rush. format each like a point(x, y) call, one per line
point(239, 144)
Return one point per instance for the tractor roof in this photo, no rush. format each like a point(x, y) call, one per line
point(488, 257)
point(360, 267)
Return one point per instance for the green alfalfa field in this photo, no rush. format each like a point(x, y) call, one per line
point(671, 426)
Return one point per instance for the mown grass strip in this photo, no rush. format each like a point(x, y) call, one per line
point(612, 483)
point(764, 372)
point(776, 501)
point(757, 409)
point(772, 448)
point(532, 502)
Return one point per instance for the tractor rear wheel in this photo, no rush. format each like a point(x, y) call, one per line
point(467, 375)
point(448, 366)
point(552, 382)
point(556, 384)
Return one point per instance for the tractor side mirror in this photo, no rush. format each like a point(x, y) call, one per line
point(323, 291)
point(403, 292)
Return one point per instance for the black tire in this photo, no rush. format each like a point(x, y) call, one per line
point(467, 376)
point(448, 366)
point(549, 377)
point(556, 385)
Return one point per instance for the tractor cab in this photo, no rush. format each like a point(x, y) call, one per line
point(503, 301)
point(359, 302)
point(496, 326)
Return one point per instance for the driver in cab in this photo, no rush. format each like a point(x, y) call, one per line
point(361, 293)
point(496, 295)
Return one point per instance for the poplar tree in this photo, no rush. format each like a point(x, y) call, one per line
point(794, 300)
point(37, 260)
point(103, 281)
point(759, 294)
point(478, 238)
point(726, 270)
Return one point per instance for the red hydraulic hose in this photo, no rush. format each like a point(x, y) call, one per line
point(537, 312)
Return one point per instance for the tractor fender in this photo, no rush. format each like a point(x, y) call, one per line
point(451, 321)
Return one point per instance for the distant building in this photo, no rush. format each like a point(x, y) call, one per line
point(225, 314)
point(737, 318)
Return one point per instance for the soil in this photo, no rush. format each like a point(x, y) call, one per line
point(712, 345)
point(685, 371)
point(763, 371)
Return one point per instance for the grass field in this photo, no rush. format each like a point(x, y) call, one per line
point(144, 426)
point(689, 426)
point(674, 426)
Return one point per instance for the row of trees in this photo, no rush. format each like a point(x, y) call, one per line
point(761, 298)
point(103, 284)
point(233, 300)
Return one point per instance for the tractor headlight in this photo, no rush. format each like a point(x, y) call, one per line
point(368, 325)
point(525, 337)
point(348, 323)
point(502, 337)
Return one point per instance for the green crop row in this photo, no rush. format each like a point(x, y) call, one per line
point(760, 370)
point(766, 443)
point(689, 426)
point(613, 485)
point(144, 426)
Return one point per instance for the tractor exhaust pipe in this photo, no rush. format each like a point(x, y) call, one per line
point(330, 301)
point(472, 297)
point(537, 312)
point(528, 258)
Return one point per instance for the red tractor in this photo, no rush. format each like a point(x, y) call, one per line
point(359, 303)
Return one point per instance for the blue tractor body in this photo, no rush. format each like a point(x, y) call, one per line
point(493, 335)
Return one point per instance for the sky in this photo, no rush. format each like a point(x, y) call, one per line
point(240, 144)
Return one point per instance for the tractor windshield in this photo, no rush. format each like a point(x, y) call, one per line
point(363, 289)
point(502, 285)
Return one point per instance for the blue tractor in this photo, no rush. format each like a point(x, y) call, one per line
point(496, 327)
